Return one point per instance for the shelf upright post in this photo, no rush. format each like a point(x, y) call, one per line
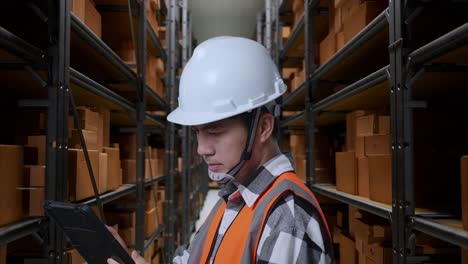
point(310, 67)
point(57, 121)
point(186, 161)
point(268, 24)
point(171, 68)
point(402, 149)
point(140, 136)
point(259, 27)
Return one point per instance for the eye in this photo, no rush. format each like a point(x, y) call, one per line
point(215, 131)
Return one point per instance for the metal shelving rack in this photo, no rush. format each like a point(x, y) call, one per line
point(48, 68)
point(388, 81)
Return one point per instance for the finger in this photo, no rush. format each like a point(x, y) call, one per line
point(111, 261)
point(137, 258)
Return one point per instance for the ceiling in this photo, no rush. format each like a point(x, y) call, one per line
point(212, 18)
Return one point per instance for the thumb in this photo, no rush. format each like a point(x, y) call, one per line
point(111, 261)
point(137, 258)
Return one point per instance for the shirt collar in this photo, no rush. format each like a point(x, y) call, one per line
point(259, 180)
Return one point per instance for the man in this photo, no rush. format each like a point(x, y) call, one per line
point(265, 213)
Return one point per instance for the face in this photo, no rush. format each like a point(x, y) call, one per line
point(221, 143)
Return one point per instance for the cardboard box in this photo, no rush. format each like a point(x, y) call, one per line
point(149, 252)
point(88, 119)
point(464, 256)
point(337, 20)
point(151, 9)
point(78, 8)
point(74, 257)
point(348, 253)
point(122, 218)
point(93, 18)
point(355, 18)
point(360, 147)
point(349, 8)
point(378, 145)
point(79, 181)
point(30, 155)
point(114, 177)
point(363, 177)
point(156, 259)
point(90, 138)
point(34, 201)
point(373, 125)
point(127, 145)
point(34, 176)
point(367, 125)
point(128, 171)
point(103, 131)
point(378, 253)
point(150, 222)
point(128, 235)
point(464, 190)
point(346, 172)
point(327, 47)
point(353, 214)
point(38, 142)
point(3, 254)
point(340, 40)
point(103, 172)
point(351, 128)
point(380, 178)
point(297, 143)
point(384, 125)
point(371, 231)
point(11, 178)
point(300, 167)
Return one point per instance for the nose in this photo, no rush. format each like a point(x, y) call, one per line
point(204, 147)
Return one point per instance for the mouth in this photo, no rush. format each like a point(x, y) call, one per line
point(214, 166)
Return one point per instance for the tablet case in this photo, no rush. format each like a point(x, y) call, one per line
point(87, 233)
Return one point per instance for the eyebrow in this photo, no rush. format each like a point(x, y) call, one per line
point(213, 125)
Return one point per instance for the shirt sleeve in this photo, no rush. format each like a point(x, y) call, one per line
point(294, 233)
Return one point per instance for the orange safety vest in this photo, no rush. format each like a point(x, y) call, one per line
point(240, 242)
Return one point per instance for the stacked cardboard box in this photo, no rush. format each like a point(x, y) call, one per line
point(86, 11)
point(152, 8)
point(95, 125)
point(323, 160)
point(346, 19)
point(11, 166)
point(154, 65)
point(126, 221)
point(74, 257)
point(3, 254)
point(373, 240)
point(79, 181)
point(151, 214)
point(33, 190)
point(365, 168)
point(298, 11)
point(464, 190)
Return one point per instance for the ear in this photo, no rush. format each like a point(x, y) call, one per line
point(265, 127)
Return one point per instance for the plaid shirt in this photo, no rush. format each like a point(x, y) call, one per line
point(294, 232)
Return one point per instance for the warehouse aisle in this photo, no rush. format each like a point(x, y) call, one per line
point(210, 201)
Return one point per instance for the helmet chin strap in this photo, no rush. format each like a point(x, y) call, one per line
point(224, 178)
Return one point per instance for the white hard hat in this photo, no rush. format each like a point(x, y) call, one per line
point(226, 76)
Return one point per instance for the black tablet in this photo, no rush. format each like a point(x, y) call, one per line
point(86, 232)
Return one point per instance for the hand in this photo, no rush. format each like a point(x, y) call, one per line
point(135, 256)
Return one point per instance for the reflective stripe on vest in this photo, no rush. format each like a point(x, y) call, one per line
point(239, 243)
